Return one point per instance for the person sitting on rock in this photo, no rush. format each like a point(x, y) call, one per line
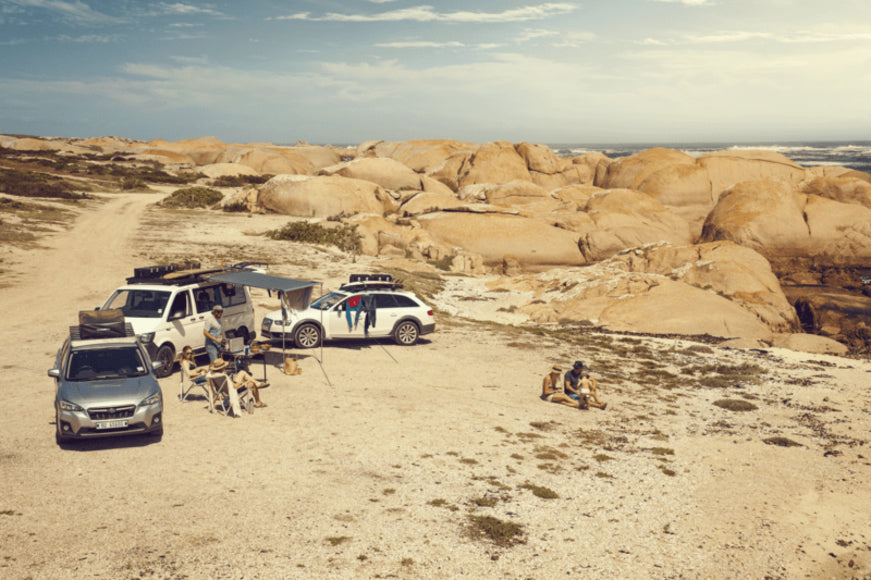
point(551, 392)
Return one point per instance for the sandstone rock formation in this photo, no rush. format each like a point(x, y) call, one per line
point(323, 196)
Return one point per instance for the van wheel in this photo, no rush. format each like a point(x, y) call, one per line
point(406, 333)
point(243, 332)
point(307, 336)
point(166, 355)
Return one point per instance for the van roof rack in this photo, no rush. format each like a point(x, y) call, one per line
point(186, 272)
point(371, 281)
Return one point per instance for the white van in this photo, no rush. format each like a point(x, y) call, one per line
point(167, 308)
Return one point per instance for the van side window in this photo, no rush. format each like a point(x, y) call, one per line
point(181, 306)
point(232, 295)
point(205, 299)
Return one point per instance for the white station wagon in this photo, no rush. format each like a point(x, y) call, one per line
point(367, 307)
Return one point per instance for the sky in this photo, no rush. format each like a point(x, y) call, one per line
point(348, 71)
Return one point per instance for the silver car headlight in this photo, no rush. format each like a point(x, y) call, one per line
point(146, 337)
point(67, 406)
point(152, 400)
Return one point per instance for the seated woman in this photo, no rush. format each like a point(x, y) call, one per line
point(551, 391)
point(590, 390)
point(189, 366)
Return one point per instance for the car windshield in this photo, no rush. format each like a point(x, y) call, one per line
point(106, 363)
point(139, 303)
point(326, 302)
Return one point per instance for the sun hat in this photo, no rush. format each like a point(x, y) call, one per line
point(556, 368)
point(578, 365)
point(218, 364)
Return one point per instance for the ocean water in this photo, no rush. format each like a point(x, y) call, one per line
point(855, 155)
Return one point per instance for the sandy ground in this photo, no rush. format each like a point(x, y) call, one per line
point(373, 462)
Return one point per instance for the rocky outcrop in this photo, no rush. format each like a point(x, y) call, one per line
point(623, 218)
point(772, 217)
point(533, 243)
point(421, 156)
point(718, 289)
point(726, 168)
point(386, 172)
point(323, 196)
point(215, 170)
point(845, 188)
point(496, 162)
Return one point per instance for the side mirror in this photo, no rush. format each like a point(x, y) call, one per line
point(54, 373)
point(176, 315)
point(156, 364)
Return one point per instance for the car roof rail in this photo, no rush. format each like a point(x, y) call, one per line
point(186, 272)
point(77, 333)
point(370, 282)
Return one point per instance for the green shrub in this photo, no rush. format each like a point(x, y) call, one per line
point(345, 238)
point(131, 182)
point(239, 180)
point(540, 491)
point(192, 197)
point(33, 184)
point(499, 532)
point(781, 442)
point(735, 405)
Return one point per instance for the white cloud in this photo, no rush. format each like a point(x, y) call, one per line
point(687, 2)
point(187, 9)
point(90, 38)
point(428, 14)
point(72, 11)
point(420, 44)
point(533, 33)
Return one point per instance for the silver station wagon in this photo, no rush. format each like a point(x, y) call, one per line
point(106, 387)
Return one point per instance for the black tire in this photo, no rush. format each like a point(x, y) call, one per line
point(307, 336)
point(406, 333)
point(166, 355)
point(243, 332)
point(157, 433)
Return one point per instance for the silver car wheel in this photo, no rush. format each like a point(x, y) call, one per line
point(307, 336)
point(406, 333)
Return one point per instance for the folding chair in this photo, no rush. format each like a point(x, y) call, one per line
point(187, 384)
point(223, 388)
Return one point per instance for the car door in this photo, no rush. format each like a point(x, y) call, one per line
point(337, 318)
point(387, 313)
point(186, 324)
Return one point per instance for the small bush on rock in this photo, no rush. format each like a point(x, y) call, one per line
point(735, 405)
point(192, 197)
point(345, 237)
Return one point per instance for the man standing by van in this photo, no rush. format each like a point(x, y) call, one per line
point(213, 333)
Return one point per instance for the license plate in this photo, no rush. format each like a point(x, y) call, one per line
point(111, 424)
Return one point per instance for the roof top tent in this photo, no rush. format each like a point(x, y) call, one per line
point(294, 294)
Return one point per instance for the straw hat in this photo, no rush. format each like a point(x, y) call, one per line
point(556, 369)
point(218, 365)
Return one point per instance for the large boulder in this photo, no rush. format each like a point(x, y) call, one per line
point(166, 156)
point(496, 162)
point(532, 242)
point(672, 177)
point(203, 150)
point(837, 229)
point(846, 188)
point(450, 170)
point(640, 302)
point(428, 202)
point(215, 170)
point(542, 159)
point(271, 162)
point(522, 195)
point(421, 155)
point(623, 218)
point(772, 218)
point(740, 274)
point(323, 196)
point(766, 215)
point(726, 168)
point(386, 172)
point(808, 343)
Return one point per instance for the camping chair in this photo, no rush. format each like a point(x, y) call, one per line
point(223, 388)
point(187, 384)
